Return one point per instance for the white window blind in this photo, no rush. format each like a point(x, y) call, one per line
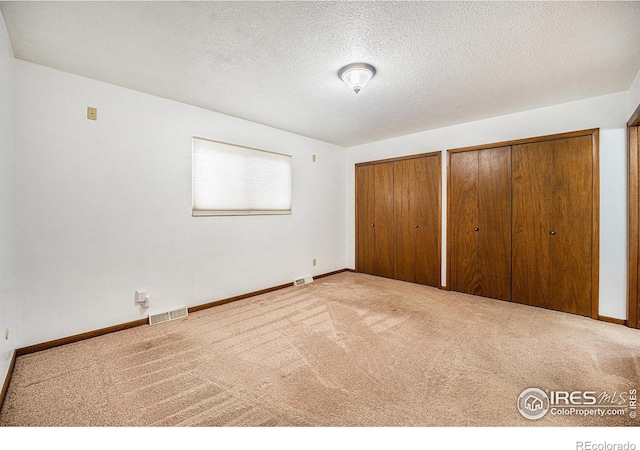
point(233, 180)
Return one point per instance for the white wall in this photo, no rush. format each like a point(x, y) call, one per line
point(634, 94)
point(613, 223)
point(104, 207)
point(609, 113)
point(7, 228)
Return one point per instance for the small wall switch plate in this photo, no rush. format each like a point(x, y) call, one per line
point(6, 334)
point(92, 113)
point(140, 297)
point(314, 158)
point(314, 261)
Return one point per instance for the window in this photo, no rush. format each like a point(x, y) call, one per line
point(233, 180)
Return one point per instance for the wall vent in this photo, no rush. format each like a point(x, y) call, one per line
point(169, 315)
point(303, 281)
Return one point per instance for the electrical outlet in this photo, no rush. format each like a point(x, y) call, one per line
point(314, 261)
point(92, 113)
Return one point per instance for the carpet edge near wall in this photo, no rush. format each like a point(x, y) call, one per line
point(123, 326)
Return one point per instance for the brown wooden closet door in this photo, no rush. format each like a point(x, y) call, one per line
point(530, 219)
point(417, 221)
point(571, 225)
point(426, 207)
point(552, 224)
point(383, 206)
point(404, 190)
point(463, 211)
point(494, 212)
point(365, 219)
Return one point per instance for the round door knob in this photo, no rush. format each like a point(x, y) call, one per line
point(476, 229)
point(552, 233)
point(373, 224)
point(415, 226)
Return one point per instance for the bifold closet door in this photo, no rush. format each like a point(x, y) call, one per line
point(365, 219)
point(572, 215)
point(480, 220)
point(494, 234)
point(374, 209)
point(427, 214)
point(553, 224)
point(531, 223)
point(404, 237)
point(464, 274)
point(383, 219)
point(417, 221)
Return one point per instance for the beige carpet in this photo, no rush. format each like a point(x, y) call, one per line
point(347, 350)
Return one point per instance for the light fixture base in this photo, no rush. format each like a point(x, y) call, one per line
point(356, 75)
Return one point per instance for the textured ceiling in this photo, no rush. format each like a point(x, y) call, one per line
point(276, 63)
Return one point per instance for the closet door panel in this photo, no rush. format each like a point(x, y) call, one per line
point(404, 194)
point(365, 210)
point(384, 219)
point(426, 209)
point(494, 199)
point(463, 202)
point(531, 177)
point(571, 223)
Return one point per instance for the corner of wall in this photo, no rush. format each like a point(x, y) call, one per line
point(8, 303)
point(634, 94)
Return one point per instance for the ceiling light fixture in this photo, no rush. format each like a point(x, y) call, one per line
point(356, 75)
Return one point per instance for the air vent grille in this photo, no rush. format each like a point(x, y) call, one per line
point(169, 315)
point(303, 281)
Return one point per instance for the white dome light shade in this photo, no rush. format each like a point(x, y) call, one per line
point(357, 75)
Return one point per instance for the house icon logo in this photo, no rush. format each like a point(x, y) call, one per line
point(533, 403)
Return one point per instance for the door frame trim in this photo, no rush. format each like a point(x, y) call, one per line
point(399, 158)
point(633, 134)
point(529, 140)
